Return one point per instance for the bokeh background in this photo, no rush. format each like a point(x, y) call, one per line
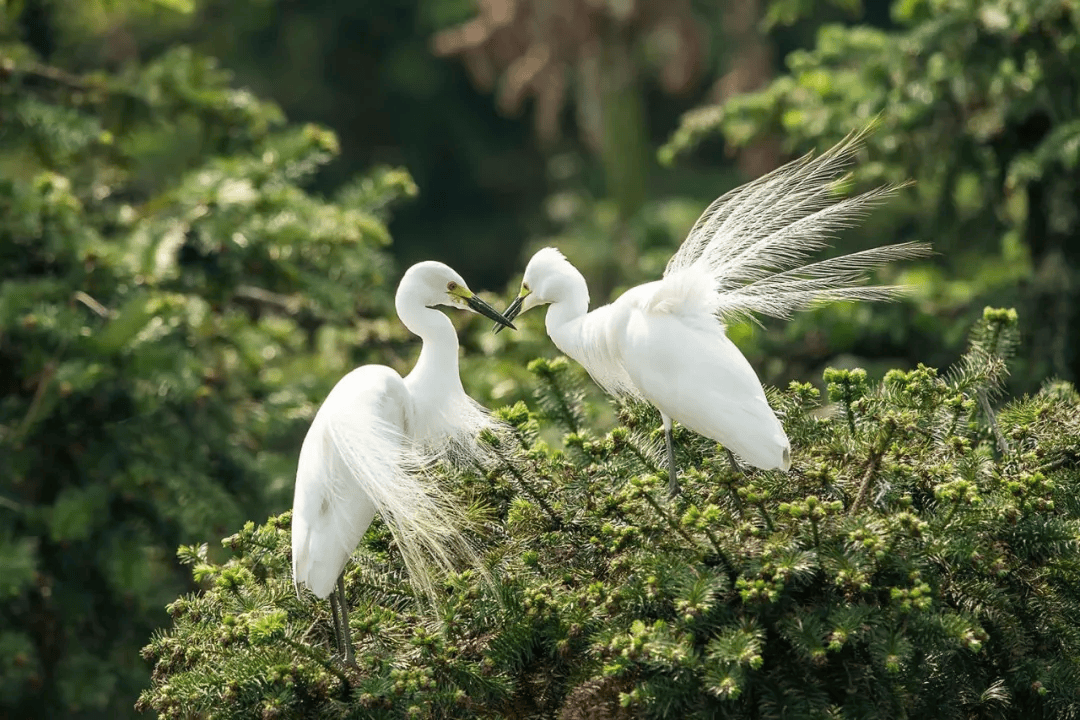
point(205, 206)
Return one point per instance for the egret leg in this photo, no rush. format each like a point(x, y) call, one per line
point(337, 623)
point(346, 630)
point(731, 459)
point(673, 473)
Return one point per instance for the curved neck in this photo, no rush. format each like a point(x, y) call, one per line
point(437, 366)
point(573, 305)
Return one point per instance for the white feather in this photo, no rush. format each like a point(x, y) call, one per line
point(371, 441)
point(352, 465)
point(662, 342)
point(754, 240)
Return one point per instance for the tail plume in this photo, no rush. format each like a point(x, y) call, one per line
point(754, 240)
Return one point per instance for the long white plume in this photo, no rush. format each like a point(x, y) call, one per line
point(368, 467)
point(754, 240)
point(426, 522)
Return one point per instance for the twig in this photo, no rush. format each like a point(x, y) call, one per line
point(685, 535)
point(719, 552)
point(564, 406)
point(645, 460)
point(670, 520)
point(329, 665)
point(44, 379)
point(871, 468)
point(765, 515)
point(289, 304)
point(1003, 444)
point(56, 75)
point(552, 515)
point(1072, 455)
point(99, 309)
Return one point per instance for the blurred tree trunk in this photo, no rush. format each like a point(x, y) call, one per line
point(549, 49)
point(751, 68)
point(1055, 257)
point(624, 151)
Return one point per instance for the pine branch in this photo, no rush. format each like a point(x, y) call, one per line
point(1002, 443)
point(872, 465)
point(968, 557)
point(506, 464)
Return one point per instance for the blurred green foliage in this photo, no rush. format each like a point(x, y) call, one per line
point(366, 69)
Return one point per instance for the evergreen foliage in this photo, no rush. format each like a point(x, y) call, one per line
point(173, 306)
point(920, 560)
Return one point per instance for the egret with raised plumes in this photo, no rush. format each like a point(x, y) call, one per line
point(665, 343)
point(370, 441)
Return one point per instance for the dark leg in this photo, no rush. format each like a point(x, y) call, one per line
point(731, 459)
point(673, 473)
point(346, 630)
point(337, 623)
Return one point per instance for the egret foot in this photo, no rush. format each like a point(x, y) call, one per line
point(342, 633)
point(346, 631)
point(673, 474)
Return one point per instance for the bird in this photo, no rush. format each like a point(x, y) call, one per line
point(665, 342)
point(370, 441)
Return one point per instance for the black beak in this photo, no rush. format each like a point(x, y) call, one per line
point(489, 312)
point(511, 312)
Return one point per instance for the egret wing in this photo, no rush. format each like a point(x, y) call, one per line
point(354, 444)
point(686, 366)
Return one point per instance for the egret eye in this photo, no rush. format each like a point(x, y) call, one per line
point(451, 286)
point(525, 285)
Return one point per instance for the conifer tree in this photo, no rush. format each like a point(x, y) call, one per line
point(919, 560)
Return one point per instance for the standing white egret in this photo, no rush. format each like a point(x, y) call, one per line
point(664, 342)
point(369, 441)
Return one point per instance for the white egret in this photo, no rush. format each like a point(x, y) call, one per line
point(369, 441)
point(664, 342)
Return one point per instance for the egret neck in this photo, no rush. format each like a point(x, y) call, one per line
point(564, 316)
point(435, 376)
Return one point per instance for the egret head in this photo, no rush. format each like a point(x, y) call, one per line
point(549, 278)
point(430, 284)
